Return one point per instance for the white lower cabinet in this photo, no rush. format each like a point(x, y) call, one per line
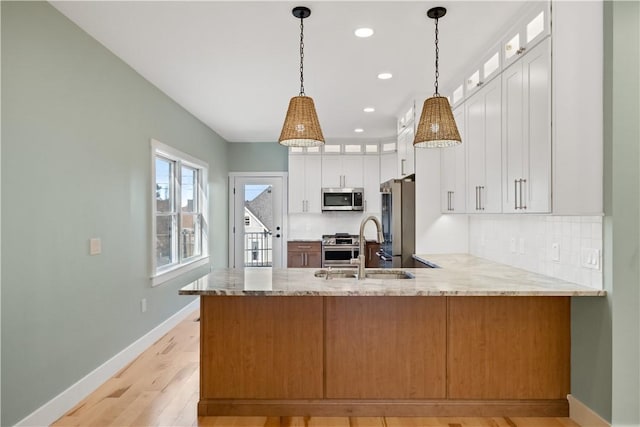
point(452, 171)
point(526, 102)
point(483, 113)
point(305, 183)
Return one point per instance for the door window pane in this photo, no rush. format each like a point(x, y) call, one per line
point(258, 231)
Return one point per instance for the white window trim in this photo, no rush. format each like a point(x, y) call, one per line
point(164, 275)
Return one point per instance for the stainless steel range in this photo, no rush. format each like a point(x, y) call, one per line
point(338, 250)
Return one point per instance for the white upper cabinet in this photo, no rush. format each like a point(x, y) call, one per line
point(305, 182)
point(577, 108)
point(526, 103)
point(453, 170)
point(388, 162)
point(341, 171)
point(405, 149)
point(535, 26)
point(484, 149)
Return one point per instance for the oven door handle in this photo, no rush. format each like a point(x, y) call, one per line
point(382, 256)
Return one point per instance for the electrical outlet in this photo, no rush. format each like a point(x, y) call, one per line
point(590, 258)
point(555, 252)
point(512, 245)
point(95, 246)
point(143, 305)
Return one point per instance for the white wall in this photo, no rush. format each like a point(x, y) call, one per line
point(309, 226)
point(525, 241)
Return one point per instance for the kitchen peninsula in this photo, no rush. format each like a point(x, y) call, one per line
point(473, 338)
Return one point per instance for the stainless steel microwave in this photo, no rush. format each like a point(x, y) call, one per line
point(343, 199)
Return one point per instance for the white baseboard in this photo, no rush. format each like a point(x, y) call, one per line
point(583, 415)
point(65, 401)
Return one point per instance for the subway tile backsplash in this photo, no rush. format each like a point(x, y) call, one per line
point(566, 247)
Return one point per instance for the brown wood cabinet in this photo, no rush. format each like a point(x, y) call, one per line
point(384, 356)
point(261, 348)
point(371, 259)
point(376, 348)
point(523, 338)
point(304, 254)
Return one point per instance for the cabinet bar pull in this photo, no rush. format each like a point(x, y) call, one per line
point(402, 166)
point(304, 247)
point(453, 201)
point(476, 197)
point(481, 202)
point(302, 259)
point(515, 194)
point(522, 206)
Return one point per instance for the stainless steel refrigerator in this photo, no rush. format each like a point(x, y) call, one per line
point(398, 222)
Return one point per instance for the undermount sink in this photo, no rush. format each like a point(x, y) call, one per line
point(388, 274)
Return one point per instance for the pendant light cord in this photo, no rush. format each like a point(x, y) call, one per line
point(437, 57)
point(302, 57)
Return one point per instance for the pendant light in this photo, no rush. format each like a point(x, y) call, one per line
point(437, 127)
point(301, 127)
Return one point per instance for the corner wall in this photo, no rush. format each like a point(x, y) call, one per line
point(76, 164)
point(606, 332)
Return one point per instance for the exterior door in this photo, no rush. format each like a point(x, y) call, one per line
point(257, 221)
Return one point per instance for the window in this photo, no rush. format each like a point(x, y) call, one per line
point(179, 205)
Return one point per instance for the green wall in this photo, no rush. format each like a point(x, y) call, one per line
point(76, 164)
point(258, 157)
point(606, 332)
point(625, 210)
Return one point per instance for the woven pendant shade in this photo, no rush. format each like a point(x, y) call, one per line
point(301, 126)
point(436, 128)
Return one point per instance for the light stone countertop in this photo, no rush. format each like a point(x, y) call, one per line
point(459, 275)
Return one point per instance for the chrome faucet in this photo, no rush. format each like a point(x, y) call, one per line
point(361, 260)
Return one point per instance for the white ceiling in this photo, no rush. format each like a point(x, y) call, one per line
point(235, 64)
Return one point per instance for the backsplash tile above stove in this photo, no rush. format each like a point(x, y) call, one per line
point(566, 247)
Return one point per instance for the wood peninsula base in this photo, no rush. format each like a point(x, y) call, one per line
point(384, 356)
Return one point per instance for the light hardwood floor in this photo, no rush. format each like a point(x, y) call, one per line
point(160, 388)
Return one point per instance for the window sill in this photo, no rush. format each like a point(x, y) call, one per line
point(178, 270)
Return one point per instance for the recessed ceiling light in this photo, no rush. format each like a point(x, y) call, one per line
point(363, 32)
point(385, 76)
point(358, 130)
point(369, 109)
